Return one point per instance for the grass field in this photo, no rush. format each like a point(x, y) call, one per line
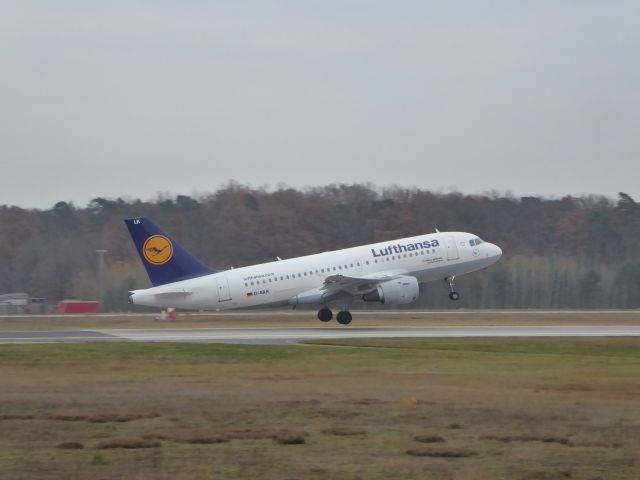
point(438, 408)
point(302, 318)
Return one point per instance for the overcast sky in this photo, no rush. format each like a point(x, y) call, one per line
point(132, 98)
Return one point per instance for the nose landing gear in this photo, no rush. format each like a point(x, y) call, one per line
point(453, 295)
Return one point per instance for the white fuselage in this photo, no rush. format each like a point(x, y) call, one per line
point(281, 282)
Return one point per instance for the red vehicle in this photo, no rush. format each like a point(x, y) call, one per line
point(74, 307)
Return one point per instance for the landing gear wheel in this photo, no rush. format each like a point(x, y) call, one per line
point(453, 295)
point(344, 318)
point(325, 315)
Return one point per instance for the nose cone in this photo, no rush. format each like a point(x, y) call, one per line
point(496, 252)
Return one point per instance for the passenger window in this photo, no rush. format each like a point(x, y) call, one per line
point(358, 264)
point(387, 259)
point(405, 255)
point(269, 280)
point(351, 265)
point(367, 262)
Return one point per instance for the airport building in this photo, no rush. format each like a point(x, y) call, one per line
point(22, 303)
point(18, 303)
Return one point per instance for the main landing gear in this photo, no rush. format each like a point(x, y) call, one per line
point(344, 317)
point(453, 295)
point(325, 315)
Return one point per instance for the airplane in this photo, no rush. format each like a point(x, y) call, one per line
point(387, 272)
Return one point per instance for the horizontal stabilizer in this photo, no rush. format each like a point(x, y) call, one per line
point(176, 293)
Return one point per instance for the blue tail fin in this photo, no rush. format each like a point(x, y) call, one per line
point(164, 259)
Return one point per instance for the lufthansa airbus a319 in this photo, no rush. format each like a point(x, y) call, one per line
point(389, 273)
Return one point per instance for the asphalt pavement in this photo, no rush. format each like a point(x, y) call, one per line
point(276, 335)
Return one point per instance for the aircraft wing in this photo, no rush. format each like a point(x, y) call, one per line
point(335, 284)
point(340, 285)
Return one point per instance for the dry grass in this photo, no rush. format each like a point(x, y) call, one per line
point(203, 437)
point(70, 446)
point(344, 431)
point(101, 417)
point(530, 438)
point(429, 439)
point(16, 416)
point(307, 318)
point(120, 418)
point(553, 439)
point(67, 417)
point(128, 443)
point(290, 439)
point(512, 409)
point(441, 453)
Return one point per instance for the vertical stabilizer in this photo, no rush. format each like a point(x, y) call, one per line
point(165, 260)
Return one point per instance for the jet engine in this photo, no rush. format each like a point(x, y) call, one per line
point(395, 292)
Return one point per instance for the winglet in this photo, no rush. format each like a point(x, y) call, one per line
point(163, 258)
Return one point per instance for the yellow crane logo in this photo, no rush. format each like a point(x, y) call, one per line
point(158, 250)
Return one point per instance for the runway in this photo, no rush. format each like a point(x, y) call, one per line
point(279, 335)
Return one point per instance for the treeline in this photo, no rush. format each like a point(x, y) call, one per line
point(573, 252)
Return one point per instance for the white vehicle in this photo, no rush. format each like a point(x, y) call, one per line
point(388, 272)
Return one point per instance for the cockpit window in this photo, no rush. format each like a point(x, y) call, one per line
point(475, 241)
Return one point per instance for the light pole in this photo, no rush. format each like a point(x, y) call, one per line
point(101, 254)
